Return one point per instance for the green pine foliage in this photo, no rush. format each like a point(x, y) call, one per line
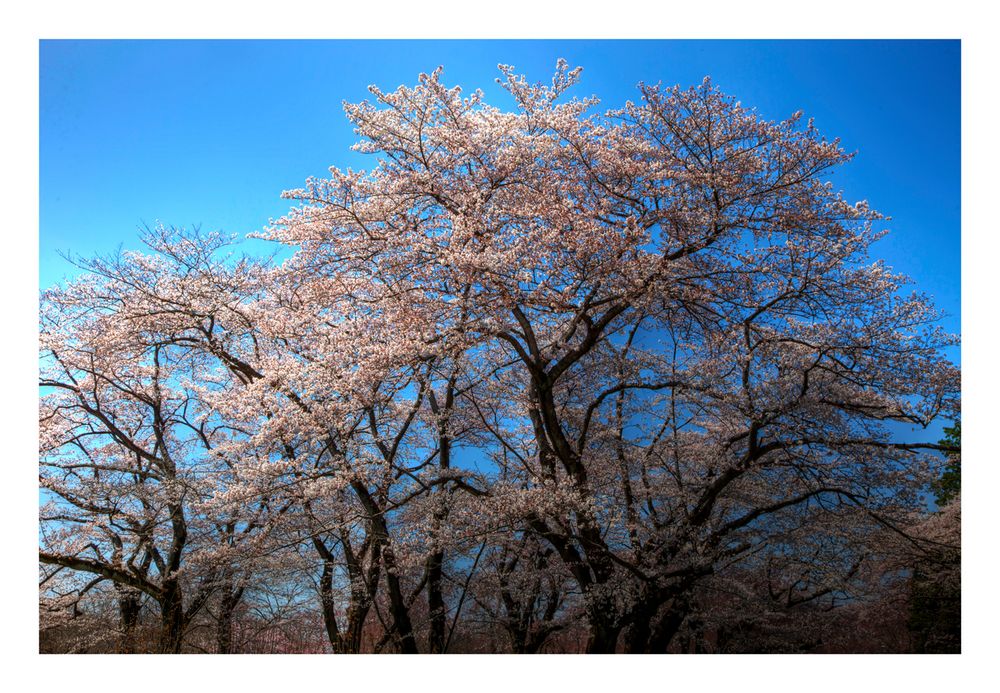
point(950, 483)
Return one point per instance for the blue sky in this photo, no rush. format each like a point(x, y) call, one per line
point(210, 132)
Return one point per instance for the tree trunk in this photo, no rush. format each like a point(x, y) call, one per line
point(435, 603)
point(637, 635)
point(129, 606)
point(171, 619)
point(328, 607)
point(363, 589)
point(435, 562)
point(224, 625)
point(668, 625)
point(603, 638)
point(356, 616)
point(397, 605)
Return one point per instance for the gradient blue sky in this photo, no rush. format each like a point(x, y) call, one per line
point(210, 132)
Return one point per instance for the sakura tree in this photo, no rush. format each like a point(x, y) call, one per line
point(549, 370)
point(132, 453)
point(693, 328)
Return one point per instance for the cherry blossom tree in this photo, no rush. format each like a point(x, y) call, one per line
point(685, 302)
point(553, 368)
point(131, 450)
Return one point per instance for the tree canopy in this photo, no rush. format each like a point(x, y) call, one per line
point(542, 378)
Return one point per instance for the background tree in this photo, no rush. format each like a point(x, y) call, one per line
point(948, 486)
point(935, 613)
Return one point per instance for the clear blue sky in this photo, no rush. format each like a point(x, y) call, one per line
point(210, 132)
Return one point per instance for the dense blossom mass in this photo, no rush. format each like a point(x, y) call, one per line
point(543, 379)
